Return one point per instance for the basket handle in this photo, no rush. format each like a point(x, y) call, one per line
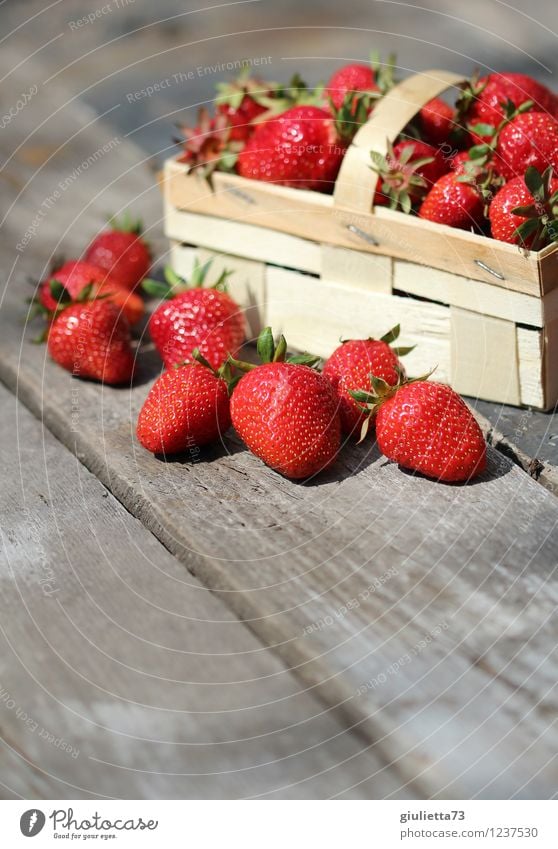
point(356, 181)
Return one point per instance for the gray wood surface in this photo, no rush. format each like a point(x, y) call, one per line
point(122, 676)
point(422, 614)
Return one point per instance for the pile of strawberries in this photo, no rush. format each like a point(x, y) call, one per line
point(484, 163)
point(290, 414)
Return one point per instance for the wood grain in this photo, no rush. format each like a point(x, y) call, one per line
point(423, 614)
point(123, 676)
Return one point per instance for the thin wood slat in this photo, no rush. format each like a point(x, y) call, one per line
point(484, 357)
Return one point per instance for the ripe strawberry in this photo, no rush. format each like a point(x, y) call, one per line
point(286, 412)
point(484, 100)
point(209, 145)
point(528, 139)
point(450, 201)
point(75, 275)
point(121, 252)
point(187, 407)
point(204, 318)
point(91, 339)
point(354, 79)
point(426, 427)
point(299, 148)
point(436, 121)
point(524, 211)
point(239, 102)
point(407, 173)
point(350, 366)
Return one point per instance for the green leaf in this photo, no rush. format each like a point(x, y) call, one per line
point(59, 292)
point(199, 358)
point(482, 129)
point(402, 352)
point(534, 182)
point(280, 350)
point(303, 360)
point(379, 385)
point(391, 335)
point(526, 229)
point(361, 396)
point(266, 345)
point(172, 278)
point(156, 288)
point(526, 211)
point(478, 151)
point(85, 294)
point(405, 201)
point(200, 272)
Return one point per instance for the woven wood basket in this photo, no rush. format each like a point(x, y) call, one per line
point(319, 267)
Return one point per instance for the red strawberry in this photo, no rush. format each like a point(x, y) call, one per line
point(426, 427)
point(286, 412)
point(299, 148)
point(484, 100)
point(407, 173)
point(207, 319)
point(528, 139)
point(75, 275)
point(436, 121)
point(209, 146)
point(239, 102)
point(91, 339)
point(524, 210)
point(240, 117)
point(186, 407)
point(352, 79)
point(350, 366)
point(121, 252)
point(453, 202)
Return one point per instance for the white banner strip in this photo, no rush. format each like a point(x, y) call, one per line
point(281, 824)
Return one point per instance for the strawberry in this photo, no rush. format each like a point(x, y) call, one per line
point(286, 412)
point(354, 79)
point(453, 202)
point(483, 102)
point(407, 173)
point(528, 139)
point(524, 211)
point(350, 366)
point(187, 407)
point(436, 121)
point(90, 338)
point(121, 252)
point(299, 148)
point(426, 427)
point(209, 145)
point(75, 275)
point(195, 317)
point(239, 102)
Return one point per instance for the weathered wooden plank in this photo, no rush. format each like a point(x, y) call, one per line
point(423, 613)
point(121, 675)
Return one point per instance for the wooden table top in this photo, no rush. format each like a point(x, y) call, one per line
point(212, 629)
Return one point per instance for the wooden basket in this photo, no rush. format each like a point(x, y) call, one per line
point(319, 267)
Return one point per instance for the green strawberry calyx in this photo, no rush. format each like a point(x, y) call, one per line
point(174, 284)
point(270, 351)
point(389, 337)
point(126, 223)
point(370, 400)
point(541, 224)
point(399, 178)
